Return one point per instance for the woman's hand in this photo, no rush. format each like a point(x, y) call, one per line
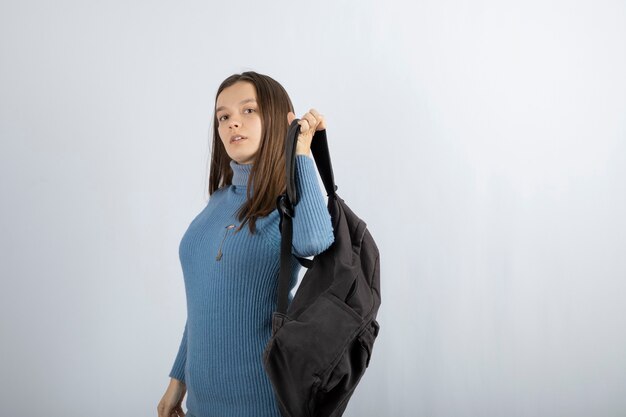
point(171, 403)
point(311, 122)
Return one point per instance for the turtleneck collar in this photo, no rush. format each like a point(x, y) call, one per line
point(241, 172)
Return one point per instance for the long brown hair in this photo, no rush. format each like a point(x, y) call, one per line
point(267, 174)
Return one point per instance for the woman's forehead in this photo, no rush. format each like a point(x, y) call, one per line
point(237, 94)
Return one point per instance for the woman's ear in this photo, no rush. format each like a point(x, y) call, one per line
point(290, 116)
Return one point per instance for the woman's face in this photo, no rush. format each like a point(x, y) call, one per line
point(237, 113)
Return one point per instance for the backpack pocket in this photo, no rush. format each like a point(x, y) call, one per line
point(305, 347)
point(339, 382)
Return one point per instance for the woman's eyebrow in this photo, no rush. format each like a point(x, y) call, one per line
point(240, 103)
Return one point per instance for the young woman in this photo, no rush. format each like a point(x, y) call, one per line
point(230, 253)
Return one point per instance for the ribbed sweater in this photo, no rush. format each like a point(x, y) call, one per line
point(231, 286)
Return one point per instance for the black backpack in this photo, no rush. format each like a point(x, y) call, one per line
point(322, 343)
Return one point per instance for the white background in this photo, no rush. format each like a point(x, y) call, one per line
point(484, 143)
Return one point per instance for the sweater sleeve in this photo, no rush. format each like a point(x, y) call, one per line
point(312, 224)
point(178, 369)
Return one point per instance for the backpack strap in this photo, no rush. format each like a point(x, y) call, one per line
point(319, 149)
point(290, 164)
point(286, 202)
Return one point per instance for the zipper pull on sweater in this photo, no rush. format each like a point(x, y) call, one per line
point(219, 252)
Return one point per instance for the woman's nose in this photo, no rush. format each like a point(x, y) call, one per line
point(234, 123)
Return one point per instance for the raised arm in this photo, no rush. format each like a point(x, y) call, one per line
point(312, 226)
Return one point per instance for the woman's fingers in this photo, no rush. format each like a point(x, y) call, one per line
point(315, 119)
point(309, 122)
point(304, 125)
point(310, 119)
point(319, 119)
point(321, 122)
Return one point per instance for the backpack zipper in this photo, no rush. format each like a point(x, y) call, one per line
point(219, 251)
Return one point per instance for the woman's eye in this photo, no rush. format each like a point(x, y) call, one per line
point(219, 119)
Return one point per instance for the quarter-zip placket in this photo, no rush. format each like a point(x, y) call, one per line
point(219, 252)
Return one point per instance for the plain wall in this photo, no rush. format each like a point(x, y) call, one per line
point(484, 143)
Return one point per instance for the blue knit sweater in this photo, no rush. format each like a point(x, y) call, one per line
point(231, 284)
